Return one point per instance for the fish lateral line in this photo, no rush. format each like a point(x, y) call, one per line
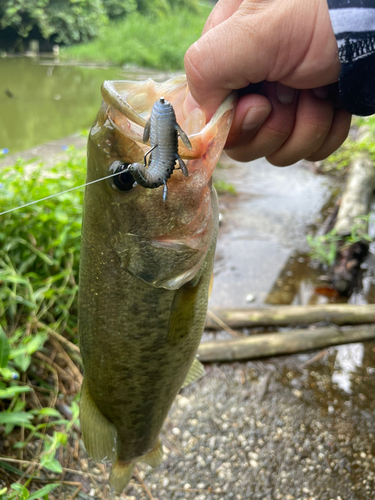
point(58, 194)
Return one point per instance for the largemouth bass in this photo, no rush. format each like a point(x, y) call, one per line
point(145, 271)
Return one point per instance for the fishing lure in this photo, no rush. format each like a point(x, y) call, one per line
point(163, 130)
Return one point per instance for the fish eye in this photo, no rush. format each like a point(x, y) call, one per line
point(124, 181)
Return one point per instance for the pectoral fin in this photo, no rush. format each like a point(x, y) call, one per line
point(98, 433)
point(183, 310)
point(195, 373)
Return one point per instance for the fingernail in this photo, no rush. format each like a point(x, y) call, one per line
point(255, 117)
point(321, 92)
point(285, 94)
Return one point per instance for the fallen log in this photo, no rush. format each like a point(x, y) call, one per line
point(291, 342)
point(338, 314)
point(355, 203)
point(356, 199)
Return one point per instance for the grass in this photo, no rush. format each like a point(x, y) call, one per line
point(158, 42)
point(39, 358)
point(324, 248)
point(340, 160)
point(223, 187)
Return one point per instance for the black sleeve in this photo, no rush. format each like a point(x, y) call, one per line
point(353, 23)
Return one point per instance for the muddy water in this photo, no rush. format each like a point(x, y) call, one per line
point(43, 100)
point(262, 255)
point(262, 244)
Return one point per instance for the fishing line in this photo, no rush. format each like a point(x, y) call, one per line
point(57, 194)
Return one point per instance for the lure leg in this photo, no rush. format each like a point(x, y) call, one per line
point(182, 165)
point(146, 132)
point(148, 152)
point(165, 191)
point(184, 137)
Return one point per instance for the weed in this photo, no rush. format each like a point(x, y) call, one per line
point(324, 248)
point(223, 187)
point(39, 257)
point(341, 159)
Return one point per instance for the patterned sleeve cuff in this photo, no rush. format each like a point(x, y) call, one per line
point(353, 23)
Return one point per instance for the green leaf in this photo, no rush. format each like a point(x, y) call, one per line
point(8, 374)
point(44, 491)
point(51, 463)
point(4, 349)
point(48, 412)
point(10, 392)
point(23, 492)
point(22, 362)
point(60, 438)
point(15, 418)
point(36, 342)
point(20, 444)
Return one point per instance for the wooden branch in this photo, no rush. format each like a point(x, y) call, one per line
point(339, 314)
point(272, 344)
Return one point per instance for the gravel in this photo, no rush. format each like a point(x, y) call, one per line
point(268, 431)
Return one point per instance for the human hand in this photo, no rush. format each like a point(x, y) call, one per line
point(287, 46)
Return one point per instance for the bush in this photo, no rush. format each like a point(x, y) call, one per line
point(149, 41)
point(68, 21)
point(120, 8)
point(63, 21)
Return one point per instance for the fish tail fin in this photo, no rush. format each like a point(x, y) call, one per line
point(120, 476)
point(155, 457)
point(121, 472)
point(98, 433)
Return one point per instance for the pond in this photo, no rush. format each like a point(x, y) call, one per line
point(42, 100)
